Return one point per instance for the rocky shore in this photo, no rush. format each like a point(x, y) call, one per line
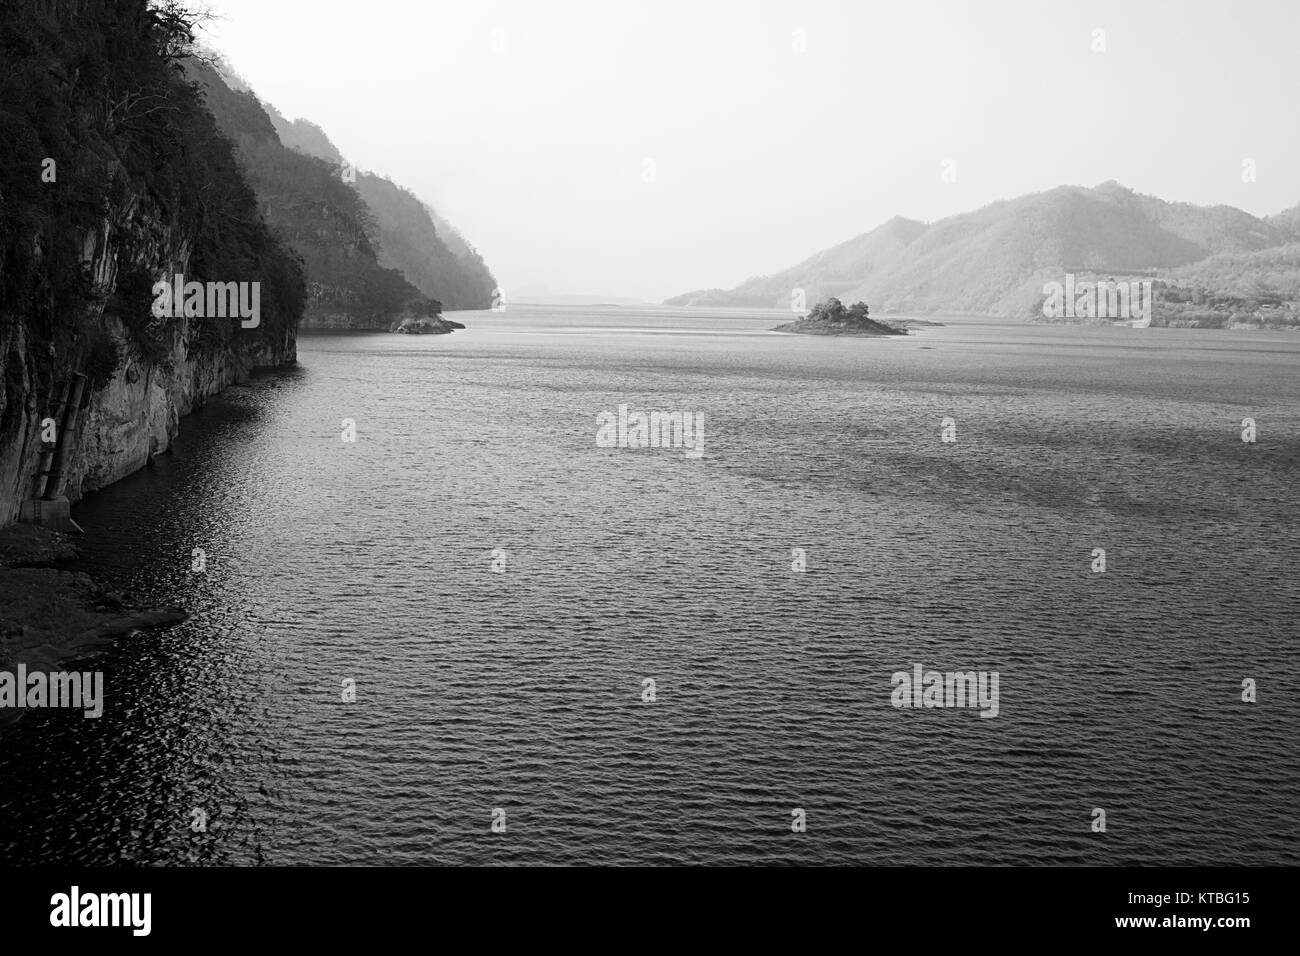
point(49, 616)
point(426, 325)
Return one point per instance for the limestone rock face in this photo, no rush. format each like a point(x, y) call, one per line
point(137, 413)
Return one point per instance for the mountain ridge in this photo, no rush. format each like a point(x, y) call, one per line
point(408, 234)
point(995, 260)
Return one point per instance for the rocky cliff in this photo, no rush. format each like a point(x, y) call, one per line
point(134, 413)
point(113, 176)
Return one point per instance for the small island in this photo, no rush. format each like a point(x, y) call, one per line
point(832, 318)
point(426, 325)
point(424, 317)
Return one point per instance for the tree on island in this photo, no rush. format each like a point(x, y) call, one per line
point(834, 312)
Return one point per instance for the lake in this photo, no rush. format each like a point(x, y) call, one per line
point(503, 595)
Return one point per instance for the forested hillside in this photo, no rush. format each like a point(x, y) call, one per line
point(308, 202)
point(407, 234)
point(112, 174)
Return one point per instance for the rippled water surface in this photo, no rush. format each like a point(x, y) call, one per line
point(522, 690)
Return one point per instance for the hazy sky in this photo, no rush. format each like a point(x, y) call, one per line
point(534, 125)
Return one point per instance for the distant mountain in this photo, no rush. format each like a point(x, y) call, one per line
point(996, 260)
point(1288, 221)
point(408, 235)
point(834, 272)
point(434, 259)
point(306, 202)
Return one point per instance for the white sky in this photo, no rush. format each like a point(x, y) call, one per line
point(762, 155)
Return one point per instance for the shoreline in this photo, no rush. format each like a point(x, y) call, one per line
point(51, 617)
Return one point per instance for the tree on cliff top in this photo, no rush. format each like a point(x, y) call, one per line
point(99, 128)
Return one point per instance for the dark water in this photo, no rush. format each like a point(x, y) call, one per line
point(522, 690)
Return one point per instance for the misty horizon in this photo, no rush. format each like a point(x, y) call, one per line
point(773, 131)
